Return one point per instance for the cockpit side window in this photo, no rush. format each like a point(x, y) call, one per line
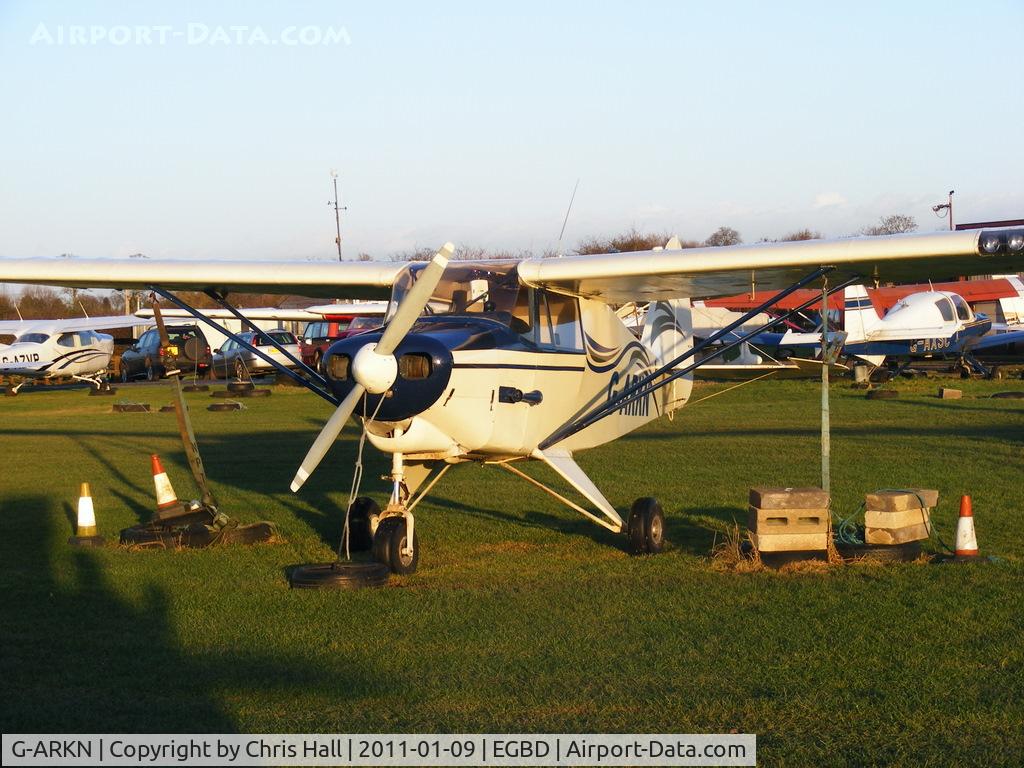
point(945, 308)
point(557, 320)
point(67, 339)
point(962, 310)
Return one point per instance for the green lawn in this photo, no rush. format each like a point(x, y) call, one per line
point(523, 617)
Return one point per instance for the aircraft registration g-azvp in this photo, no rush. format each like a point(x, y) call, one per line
point(500, 362)
point(46, 349)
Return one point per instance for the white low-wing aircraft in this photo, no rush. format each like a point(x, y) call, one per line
point(45, 349)
point(505, 361)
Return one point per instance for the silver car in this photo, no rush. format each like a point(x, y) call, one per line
point(232, 359)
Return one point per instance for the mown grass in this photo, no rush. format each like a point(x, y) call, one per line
point(522, 616)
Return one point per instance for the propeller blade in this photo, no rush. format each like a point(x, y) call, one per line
point(414, 302)
point(327, 436)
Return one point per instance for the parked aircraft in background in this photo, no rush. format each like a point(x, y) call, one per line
point(502, 362)
point(46, 349)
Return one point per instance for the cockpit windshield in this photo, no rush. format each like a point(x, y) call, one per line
point(489, 289)
point(33, 338)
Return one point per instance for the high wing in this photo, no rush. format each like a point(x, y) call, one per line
point(101, 323)
point(308, 314)
point(354, 279)
point(704, 272)
point(612, 277)
point(13, 326)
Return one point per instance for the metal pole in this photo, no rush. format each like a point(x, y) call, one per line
point(826, 440)
point(951, 210)
point(337, 218)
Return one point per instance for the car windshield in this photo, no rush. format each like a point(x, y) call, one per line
point(488, 289)
point(363, 323)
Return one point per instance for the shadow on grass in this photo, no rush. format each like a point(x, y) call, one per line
point(77, 657)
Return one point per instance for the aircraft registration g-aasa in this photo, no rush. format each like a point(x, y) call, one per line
point(504, 361)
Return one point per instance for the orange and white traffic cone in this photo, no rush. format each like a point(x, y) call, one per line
point(966, 547)
point(86, 535)
point(167, 504)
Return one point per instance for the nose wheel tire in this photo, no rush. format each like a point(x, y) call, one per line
point(388, 543)
point(646, 527)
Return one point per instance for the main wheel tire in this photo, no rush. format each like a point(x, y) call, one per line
point(361, 519)
point(646, 527)
point(388, 543)
point(339, 575)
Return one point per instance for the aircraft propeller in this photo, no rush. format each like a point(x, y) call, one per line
point(374, 367)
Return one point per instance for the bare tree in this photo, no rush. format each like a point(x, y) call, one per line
point(801, 234)
point(723, 236)
point(891, 225)
point(632, 240)
point(364, 257)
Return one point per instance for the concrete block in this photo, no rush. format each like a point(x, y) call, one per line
point(791, 542)
point(774, 521)
point(874, 518)
point(788, 498)
point(896, 536)
point(950, 394)
point(897, 501)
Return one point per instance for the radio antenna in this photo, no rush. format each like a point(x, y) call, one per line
point(565, 221)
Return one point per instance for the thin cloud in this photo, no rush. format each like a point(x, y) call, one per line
point(828, 199)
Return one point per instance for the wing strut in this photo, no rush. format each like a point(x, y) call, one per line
point(318, 386)
point(649, 383)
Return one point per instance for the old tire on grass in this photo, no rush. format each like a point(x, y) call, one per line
point(881, 553)
point(882, 394)
point(196, 388)
point(1008, 396)
point(646, 527)
point(339, 575)
point(167, 409)
point(241, 386)
point(254, 533)
point(131, 408)
point(388, 543)
point(216, 407)
point(102, 391)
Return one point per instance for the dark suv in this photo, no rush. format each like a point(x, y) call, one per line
point(187, 352)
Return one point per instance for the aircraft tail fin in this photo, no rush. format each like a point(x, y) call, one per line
point(859, 315)
point(668, 333)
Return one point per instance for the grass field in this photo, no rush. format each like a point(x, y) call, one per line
point(522, 616)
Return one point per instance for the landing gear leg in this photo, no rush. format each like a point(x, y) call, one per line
point(394, 541)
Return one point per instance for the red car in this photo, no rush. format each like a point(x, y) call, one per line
point(320, 334)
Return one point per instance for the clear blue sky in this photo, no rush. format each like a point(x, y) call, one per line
point(471, 122)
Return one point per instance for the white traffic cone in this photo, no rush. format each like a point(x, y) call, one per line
point(167, 504)
point(86, 535)
point(966, 547)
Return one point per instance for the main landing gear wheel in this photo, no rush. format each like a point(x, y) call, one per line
point(389, 543)
point(361, 519)
point(646, 527)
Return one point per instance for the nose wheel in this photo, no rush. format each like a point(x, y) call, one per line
point(646, 527)
point(391, 545)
